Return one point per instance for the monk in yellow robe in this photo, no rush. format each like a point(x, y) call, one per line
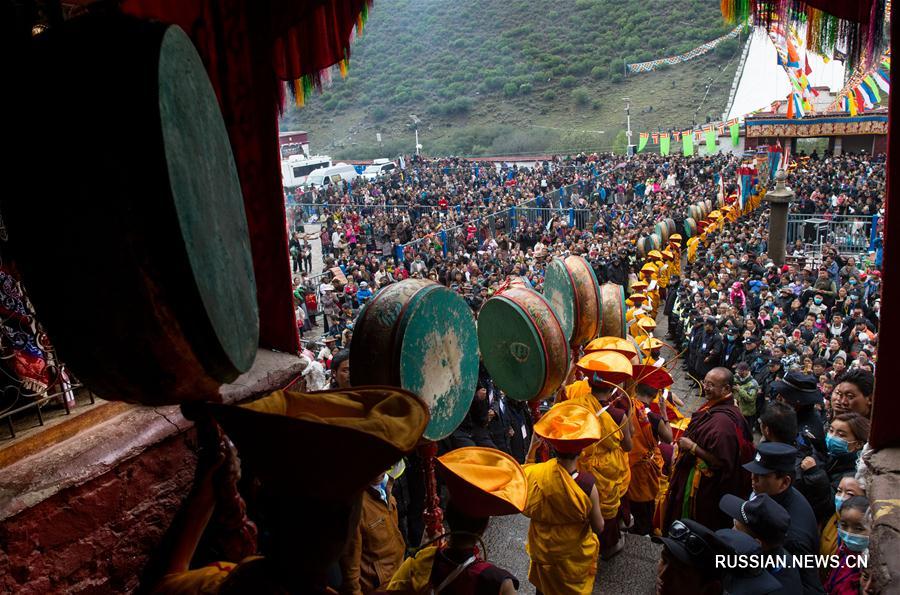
point(607, 460)
point(564, 505)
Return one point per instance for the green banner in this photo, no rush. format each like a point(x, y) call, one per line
point(663, 144)
point(735, 134)
point(687, 143)
point(642, 142)
point(711, 140)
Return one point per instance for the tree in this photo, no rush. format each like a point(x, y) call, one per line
point(510, 89)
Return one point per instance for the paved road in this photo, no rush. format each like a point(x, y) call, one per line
point(632, 572)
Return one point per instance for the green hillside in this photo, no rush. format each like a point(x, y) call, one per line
point(488, 77)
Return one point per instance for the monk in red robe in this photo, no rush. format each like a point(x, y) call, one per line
point(710, 454)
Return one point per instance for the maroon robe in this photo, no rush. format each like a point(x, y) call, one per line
point(722, 431)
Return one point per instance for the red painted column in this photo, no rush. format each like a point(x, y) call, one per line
point(885, 406)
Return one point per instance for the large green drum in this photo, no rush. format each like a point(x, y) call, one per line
point(704, 209)
point(695, 213)
point(523, 344)
point(690, 228)
point(559, 289)
point(146, 284)
point(641, 246)
point(710, 206)
point(420, 336)
point(572, 289)
point(654, 242)
point(661, 230)
point(612, 305)
point(671, 226)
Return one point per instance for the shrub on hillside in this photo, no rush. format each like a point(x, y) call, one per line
point(599, 73)
point(549, 95)
point(581, 96)
point(510, 89)
point(568, 81)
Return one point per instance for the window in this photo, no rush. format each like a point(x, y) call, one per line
point(301, 171)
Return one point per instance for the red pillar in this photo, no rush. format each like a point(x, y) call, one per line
point(885, 406)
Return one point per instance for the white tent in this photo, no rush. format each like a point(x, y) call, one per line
point(763, 80)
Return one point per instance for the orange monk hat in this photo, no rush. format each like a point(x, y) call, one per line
point(483, 481)
point(654, 254)
point(715, 215)
point(668, 255)
point(653, 376)
point(637, 297)
point(608, 366)
point(569, 427)
point(383, 422)
point(649, 267)
point(675, 237)
point(646, 323)
point(651, 343)
point(616, 344)
point(638, 285)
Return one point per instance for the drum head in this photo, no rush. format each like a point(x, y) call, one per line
point(439, 357)
point(612, 321)
point(559, 291)
point(512, 348)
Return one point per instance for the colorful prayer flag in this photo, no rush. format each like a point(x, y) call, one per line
point(664, 144)
point(655, 137)
point(735, 133)
point(687, 143)
point(642, 141)
point(711, 140)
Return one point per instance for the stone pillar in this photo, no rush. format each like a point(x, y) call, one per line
point(779, 200)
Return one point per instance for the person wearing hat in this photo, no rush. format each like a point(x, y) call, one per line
point(636, 302)
point(801, 392)
point(645, 458)
point(482, 482)
point(710, 453)
point(772, 472)
point(752, 580)
point(607, 460)
point(687, 563)
point(363, 294)
point(307, 523)
point(767, 522)
point(564, 504)
point(651, 347)
point(778, 423)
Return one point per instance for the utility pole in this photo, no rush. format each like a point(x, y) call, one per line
point(628, 150)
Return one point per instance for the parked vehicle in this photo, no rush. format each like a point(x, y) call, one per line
point(379, 168)
point(325, 176)
point(296, 168)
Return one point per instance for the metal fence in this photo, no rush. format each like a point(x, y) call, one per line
point(850, 234)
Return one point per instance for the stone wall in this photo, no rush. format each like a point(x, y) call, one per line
point(99, 536)
point(883, 489)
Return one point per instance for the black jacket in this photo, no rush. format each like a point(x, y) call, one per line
point(802, 536)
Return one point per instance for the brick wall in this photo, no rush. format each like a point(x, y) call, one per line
point(99, 536)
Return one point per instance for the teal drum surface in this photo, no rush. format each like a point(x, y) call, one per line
point(439, 356)
point(559, 291)
point(420, 336)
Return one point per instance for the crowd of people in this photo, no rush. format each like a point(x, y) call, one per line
point(762, 457)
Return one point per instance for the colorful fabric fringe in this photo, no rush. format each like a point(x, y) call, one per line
point(308, 66)
point(856, 27)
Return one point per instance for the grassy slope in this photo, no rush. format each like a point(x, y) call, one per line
point(460, 67)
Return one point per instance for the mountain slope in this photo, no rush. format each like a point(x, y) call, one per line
point(512, 76)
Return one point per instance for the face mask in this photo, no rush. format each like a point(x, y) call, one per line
point(836, 445)
point(731, 337)
point(837, 502)
point(817, 300)
point(854, 542)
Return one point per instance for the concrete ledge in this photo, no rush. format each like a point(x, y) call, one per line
point(97, 449)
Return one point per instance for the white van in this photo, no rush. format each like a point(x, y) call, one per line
point(325, 176)
point(296, 168)
point(379, 167)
